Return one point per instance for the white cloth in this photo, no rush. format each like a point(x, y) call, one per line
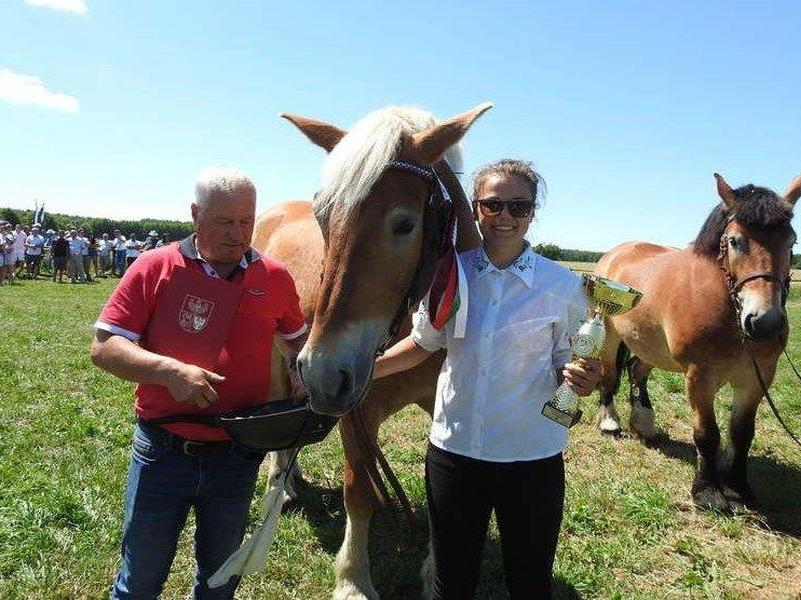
point(495, 381)
point(37, 241)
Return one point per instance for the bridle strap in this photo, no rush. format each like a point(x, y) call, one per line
point(735, 285)
point(429, 175)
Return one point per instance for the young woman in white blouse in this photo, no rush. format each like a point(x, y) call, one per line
point(490, 447)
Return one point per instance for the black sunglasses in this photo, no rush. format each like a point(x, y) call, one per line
point(517, 208)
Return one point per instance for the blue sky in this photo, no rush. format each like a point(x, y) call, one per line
point(111, 108)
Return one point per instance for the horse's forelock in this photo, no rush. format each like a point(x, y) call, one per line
point(358, 160)
point(755, 207)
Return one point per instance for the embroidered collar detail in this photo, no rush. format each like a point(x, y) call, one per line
point(523, 266)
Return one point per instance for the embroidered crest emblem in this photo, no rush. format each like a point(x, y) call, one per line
point(195, 313)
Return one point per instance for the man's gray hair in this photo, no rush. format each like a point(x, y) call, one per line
point(222, 182)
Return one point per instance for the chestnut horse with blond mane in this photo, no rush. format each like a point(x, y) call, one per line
point(363, 251)
point(713, 311)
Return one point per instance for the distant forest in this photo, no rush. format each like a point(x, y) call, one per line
point(175, 230)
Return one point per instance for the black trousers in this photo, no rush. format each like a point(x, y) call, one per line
point(527, 497)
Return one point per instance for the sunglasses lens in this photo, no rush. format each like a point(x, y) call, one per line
point(520, 208)
point(490, 207)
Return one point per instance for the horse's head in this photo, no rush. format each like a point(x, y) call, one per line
point(382, 227)
point(754, 248)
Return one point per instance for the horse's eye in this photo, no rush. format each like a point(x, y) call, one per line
point(733, 242)
point(403, 226)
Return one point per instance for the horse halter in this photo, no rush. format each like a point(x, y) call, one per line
point(734, 285)
point(438, 212)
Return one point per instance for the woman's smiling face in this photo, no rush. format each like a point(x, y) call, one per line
point(503, 229)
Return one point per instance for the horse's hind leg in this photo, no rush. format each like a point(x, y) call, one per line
point(613, 359)
point(352, 565)
point(641, 419)
point(706, 489)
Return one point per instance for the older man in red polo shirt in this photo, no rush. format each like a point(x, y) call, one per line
point(192, 324)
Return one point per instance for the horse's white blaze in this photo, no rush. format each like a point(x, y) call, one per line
point(352, 566)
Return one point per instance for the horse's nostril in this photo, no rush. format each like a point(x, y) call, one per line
point(749, 323)
point(345, 383)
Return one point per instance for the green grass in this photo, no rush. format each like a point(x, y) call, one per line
point(630, 530)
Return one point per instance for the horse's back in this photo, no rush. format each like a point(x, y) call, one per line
point(629, 257)
point(289, 233)
point(653, 270)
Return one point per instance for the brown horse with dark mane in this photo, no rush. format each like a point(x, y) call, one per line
point(711, 311)
point(362, 254)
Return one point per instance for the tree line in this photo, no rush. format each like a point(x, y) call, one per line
point(173, 230)
point(176, 230)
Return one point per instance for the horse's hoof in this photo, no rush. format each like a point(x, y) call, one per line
point(711, 497)
point(741, 498)
point(609, 426)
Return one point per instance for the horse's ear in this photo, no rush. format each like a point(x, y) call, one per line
point(321, 134)
point(430, 145)
point(725, 192)
point(793, 191)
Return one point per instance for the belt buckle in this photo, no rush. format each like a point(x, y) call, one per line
point(186, 447)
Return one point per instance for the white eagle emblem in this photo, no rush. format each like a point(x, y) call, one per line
point(195, 313)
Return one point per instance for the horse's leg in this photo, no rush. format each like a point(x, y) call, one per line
point(613, 359)
point(352, 565)
point(701, 390)
point(732, 468)
point(278, 462)
point(641, 419)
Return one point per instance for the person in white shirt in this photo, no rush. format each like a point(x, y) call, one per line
point(119, 253)
point(34, 245)
point(105, 253)
point(77, 245)
point(18, 253)
point(490, 446)
point(133, 248)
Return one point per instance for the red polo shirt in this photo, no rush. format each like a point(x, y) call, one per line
point(268, 306)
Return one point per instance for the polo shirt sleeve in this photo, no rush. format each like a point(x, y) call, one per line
point(575, 312)
point(423, 332)
point(131, 305)
point(292, 323)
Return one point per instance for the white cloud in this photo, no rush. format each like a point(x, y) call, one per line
point(27, 89)
point(75, 6)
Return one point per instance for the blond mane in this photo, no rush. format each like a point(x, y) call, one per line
point(358, 160)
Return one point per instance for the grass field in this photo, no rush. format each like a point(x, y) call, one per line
point(630, 530)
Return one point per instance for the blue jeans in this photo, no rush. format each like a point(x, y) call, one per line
point(163, 484)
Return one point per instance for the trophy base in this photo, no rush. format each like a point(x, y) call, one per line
point(565, 419)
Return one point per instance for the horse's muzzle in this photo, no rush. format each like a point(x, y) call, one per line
point(764, 325)
point(334, 386)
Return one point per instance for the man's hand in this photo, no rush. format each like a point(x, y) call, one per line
point(582, 375)
point(193, 385)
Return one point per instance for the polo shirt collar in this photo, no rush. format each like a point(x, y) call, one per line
point(523, 266)
point(188, 247)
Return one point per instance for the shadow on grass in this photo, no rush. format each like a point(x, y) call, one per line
point(777, 485)
point(396, 559)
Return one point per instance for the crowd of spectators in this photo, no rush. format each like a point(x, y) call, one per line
point(78, 255)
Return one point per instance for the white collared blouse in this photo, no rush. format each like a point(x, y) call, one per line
point(495, 381)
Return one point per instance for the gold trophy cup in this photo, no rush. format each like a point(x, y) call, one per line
point(609, 298)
